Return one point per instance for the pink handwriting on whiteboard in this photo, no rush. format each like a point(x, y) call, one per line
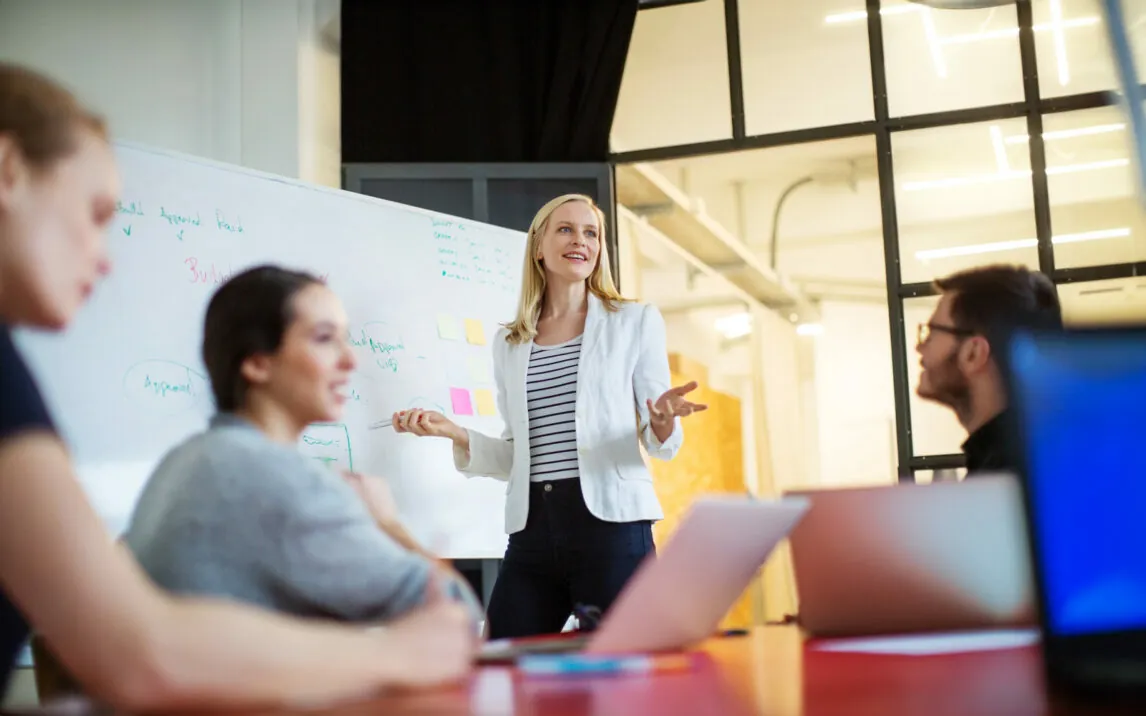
point(208, 274)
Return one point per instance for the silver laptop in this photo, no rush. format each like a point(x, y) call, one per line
point(911, 558)
point(678, 598)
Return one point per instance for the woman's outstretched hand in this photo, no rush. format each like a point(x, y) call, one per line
point(671, 405)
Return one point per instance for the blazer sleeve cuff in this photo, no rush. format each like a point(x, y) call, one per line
point(487, 457)
point(669, 448)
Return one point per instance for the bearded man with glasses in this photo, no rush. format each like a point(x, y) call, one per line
point(959, 346)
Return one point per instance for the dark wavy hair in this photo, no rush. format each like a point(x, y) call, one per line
point(995, 300)
point(248, 315)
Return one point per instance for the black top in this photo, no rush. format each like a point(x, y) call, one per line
point(989, 448)
point(21, 408)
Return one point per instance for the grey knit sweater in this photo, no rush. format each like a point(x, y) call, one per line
point(230, 513)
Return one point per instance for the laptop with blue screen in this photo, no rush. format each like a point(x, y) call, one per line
point(1079, 402)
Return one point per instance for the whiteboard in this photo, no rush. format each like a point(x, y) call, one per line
point(425, 294)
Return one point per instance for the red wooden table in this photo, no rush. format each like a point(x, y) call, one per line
point(769, 672)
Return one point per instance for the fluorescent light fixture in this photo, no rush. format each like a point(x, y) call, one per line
point(1088, 166)
point(1069, 133)
point(1000, 149)
point(841, 17)
point(1059, 43)
point(861, 15)
point(810, 329)
point(949, 182)
point(735, 326)
point(1092, 235)
point(997, 246)
point(1009, 32)
point(976, 249)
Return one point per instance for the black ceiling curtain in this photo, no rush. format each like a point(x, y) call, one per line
point(481, 80)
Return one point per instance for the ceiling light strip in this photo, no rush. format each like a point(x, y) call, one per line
point(1069, 133)
point(1016, 244)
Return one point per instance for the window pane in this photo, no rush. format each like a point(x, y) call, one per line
point(675, 86)
point(829, 241)
point(855, 399)
point(1095, 213)
point(963, 198)
point(934, 428)
point(949, 59)
point(790, 50)
point(826, 195)
point(1070, 43)
point(1121, 300)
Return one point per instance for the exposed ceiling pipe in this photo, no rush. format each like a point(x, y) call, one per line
point(772, 246)
point(849, 177)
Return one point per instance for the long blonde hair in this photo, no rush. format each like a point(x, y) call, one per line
point(600, 282)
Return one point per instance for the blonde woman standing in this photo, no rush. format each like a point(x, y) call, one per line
point(583, 379)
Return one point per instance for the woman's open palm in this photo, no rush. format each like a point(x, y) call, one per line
point(672, 404)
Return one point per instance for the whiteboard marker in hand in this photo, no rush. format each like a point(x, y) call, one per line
point(430, 423)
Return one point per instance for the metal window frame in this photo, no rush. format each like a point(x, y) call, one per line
point(1033, 107)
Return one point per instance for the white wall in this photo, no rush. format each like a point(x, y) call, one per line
point(249, 82)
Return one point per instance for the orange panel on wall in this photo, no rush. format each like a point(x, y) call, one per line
point(711, 460)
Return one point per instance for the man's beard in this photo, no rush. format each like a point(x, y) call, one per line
point(948, 386)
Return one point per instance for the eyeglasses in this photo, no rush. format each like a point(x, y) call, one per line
point(926, 329)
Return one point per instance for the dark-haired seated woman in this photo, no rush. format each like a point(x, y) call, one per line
point(237, 511)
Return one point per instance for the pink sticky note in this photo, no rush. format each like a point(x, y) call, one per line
point(460, 397)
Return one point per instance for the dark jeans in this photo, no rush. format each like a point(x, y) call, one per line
point(565, 556)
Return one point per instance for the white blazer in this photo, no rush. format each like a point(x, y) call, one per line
point(623, 363)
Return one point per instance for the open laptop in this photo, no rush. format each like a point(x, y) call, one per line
point(910, 558)
point(1079, 404)
point(678, 597)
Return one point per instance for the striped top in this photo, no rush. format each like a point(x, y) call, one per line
point(551, 394)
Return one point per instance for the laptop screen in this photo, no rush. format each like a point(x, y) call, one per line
point(1081, 401)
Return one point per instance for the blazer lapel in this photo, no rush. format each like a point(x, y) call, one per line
point(595, 319)
point(518, 368)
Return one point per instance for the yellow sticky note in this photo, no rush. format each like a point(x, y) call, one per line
point(448, 328)
point(484, 400)
point(474, 332)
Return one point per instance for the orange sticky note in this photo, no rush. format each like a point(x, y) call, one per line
point(474, 332)
point(484, 400)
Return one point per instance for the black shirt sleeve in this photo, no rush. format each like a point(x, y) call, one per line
point(21, 408)
point(21, 405)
